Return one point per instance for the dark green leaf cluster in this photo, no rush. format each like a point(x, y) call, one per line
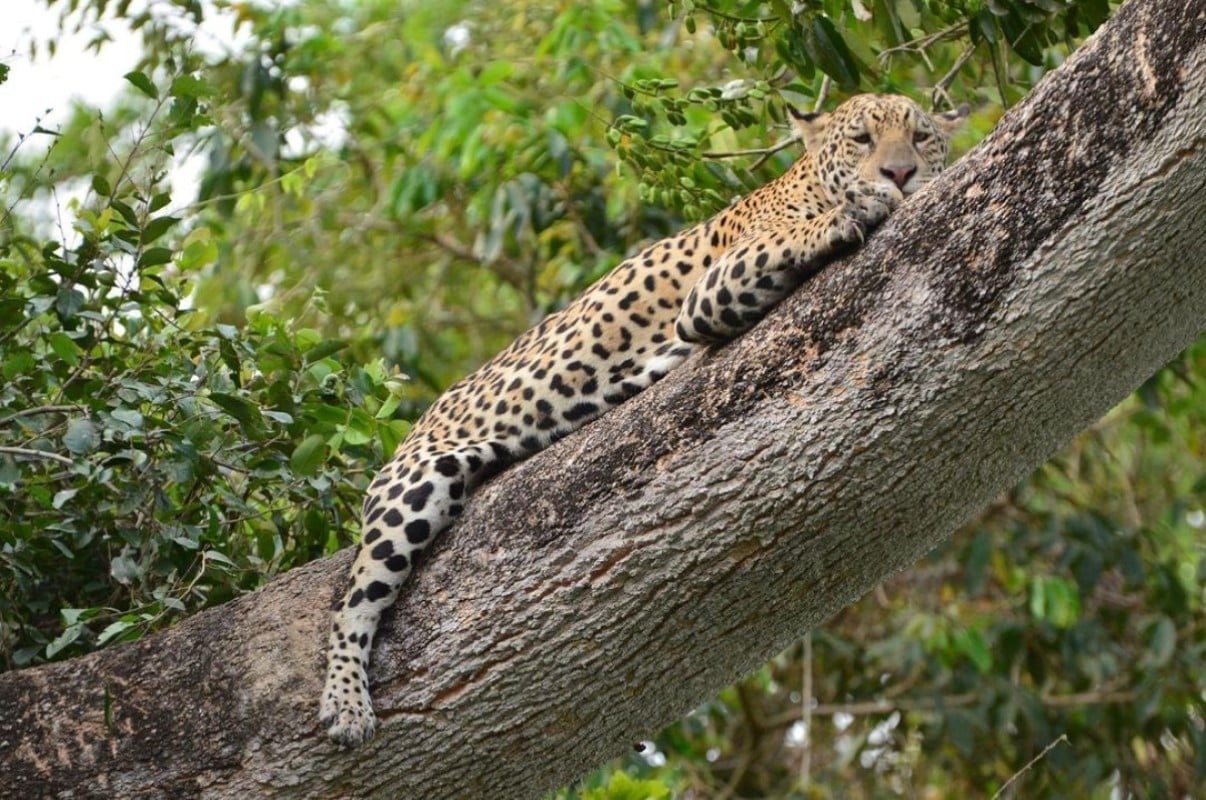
point(150, 466)
point(672, 174)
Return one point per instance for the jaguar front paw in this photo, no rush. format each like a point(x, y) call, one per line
point(350, 723)
point(865, 205)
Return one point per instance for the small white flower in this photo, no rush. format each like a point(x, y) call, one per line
point(457, 37)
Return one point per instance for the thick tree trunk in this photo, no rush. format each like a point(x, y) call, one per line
point(607, 586)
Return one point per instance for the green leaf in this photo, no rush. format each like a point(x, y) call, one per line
point(359, 427)
point(309, 455)
point(156, 228)
point(76, 616)
point(221, 558)
point(68, 302)
point(622, 786)
point(197, 254)
point(1162, 643)
point(130, 418)
point(1022, 37)
point(143, 84)
point(231, 359)
point(1093, 13)
point(190, 86)
point(124, 569)
point(388, 407)
point(64, 347)
point(237, 407)
point(886, 17)
point(829, 52)
point(101, 186)
point(793, 49)
point(115, 629)
point(10, 473)
point(392, 433)
point(985, 24)
point(126, 212)
point(155, 256)
point(18, 363)
point(62, 496)
point(69, 635)
point(972, 644)
point(324, 349)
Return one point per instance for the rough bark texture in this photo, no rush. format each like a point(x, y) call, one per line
point(610, 584)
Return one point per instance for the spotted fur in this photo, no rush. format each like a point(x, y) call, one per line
point(705, 285)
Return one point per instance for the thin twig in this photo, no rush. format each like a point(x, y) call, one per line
point(28, 453)
point(8, 211)
point(823, 95)
point(947, 79)
point(920, 44)
point(757, 151)
point(229, 466)
point(1063, 738)
point(26, 412)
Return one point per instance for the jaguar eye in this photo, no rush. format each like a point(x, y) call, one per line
point(920, 136)
point(862, 138)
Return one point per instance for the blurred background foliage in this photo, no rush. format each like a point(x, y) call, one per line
point(223, 298)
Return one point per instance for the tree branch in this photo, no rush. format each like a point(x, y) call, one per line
point(27, 412)
point(27, 452)
point(608, 585)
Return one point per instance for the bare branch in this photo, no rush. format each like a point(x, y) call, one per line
point(757, 151)
point(25, 452)
point(51, 409)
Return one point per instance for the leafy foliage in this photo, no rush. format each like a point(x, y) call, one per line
point(198, 378)
point(152, 466)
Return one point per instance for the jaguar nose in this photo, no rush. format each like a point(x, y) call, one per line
point(899, 174)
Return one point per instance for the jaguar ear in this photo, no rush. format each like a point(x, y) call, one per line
point(810, 126)
point(949, 121)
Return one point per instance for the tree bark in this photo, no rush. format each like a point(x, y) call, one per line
point(610, 584)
